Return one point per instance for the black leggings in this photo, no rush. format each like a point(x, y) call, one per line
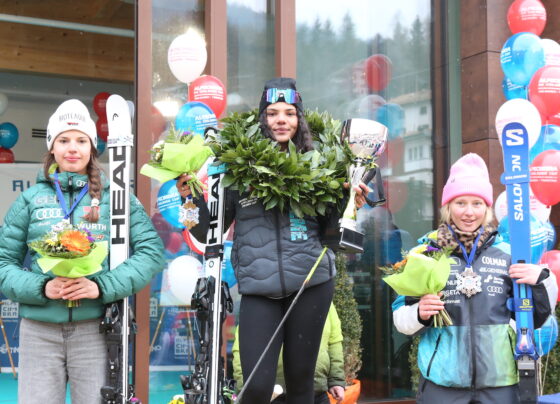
point(301, 335)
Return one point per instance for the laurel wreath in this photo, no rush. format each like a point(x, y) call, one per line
point(307, 183)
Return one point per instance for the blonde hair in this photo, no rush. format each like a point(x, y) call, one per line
point(445, 214)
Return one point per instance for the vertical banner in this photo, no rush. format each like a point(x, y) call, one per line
point(9, 311)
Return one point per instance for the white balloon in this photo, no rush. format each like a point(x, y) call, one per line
point(182, 275)
point(500, 206)
point(538, 209)
point(551, 52)
point(3, 103)
point(368, 106)
point(187, 56)
point(522, 111)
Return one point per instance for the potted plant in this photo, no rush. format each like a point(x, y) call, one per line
point(351, 325)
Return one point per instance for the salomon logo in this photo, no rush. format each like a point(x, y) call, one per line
point(514, 137)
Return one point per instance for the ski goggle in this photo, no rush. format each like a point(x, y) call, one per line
point(286, 95)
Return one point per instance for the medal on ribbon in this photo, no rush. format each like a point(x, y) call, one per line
point(468, 282)
point(189, 214)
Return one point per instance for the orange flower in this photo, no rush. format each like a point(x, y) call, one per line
point(75, 241)
point(400, 264)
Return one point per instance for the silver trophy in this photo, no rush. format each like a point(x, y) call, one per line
point(367, 140)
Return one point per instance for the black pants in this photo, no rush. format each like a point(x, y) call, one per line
point(431, 393)
point(301, 335)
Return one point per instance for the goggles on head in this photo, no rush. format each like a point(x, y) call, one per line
point(286, 95)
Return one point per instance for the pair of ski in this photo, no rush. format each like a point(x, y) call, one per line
point(118, 323)
point(207, 384)
point(516, 178)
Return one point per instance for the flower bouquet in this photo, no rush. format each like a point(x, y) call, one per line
point(180, 152)
point(424, 270)
point(71, 252)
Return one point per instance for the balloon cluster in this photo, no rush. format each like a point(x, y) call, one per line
point(531, 85)
point(9, 136)
point(99, 106)
point(207, 101)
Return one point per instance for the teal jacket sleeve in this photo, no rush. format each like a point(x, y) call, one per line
point(145, 261)
point(17, 283)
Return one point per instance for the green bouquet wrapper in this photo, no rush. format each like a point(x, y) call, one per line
point(75, 267)
point(421, 275)
point(177, 159)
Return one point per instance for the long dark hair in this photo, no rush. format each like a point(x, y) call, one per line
point(93, 170)
point(302, 139)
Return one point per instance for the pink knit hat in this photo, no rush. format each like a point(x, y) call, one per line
point(468, 176)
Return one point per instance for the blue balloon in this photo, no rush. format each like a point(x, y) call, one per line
point(549, 139)
point(522, 55)
point(551, 232)
point(195, 117)
point(101, 146)
point(392, 116)
point(9, 135)
point(512, 90)
point(539, 237)
point(169, 202)
point(546, 336)
point(228, 273)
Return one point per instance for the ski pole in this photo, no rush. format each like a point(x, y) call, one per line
point(300, 291)
point(8, 347)
point(156, 332)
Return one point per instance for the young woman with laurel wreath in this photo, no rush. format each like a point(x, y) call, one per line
point(273, 253)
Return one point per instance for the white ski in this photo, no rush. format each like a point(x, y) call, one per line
point(117, 322)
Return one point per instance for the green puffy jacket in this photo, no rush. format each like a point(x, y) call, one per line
point(33, 214)
point(329, 370)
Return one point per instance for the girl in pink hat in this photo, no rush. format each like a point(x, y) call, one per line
point(472, 360)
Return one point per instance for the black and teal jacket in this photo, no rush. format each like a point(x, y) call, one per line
point(33, 214)
point(477, 350)
point(274, 251)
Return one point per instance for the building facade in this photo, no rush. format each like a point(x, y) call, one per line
point(428, 69)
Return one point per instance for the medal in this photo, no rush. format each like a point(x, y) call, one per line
point(188, 214)
point(468, 282)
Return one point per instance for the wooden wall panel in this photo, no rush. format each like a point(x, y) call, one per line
point(110, 13)
point(37, 49)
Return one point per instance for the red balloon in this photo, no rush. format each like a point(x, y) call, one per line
point(552, 120)
point(545, 177)
point(544, 91)
point(211, 91)
point(162, 227)
point(99, 102)
point(102, 128)
point(174, 243)
point(396, 193)
point(6, 155)
point(393, 153)
point(526, 16)
point(552, 260)
point(195, 245)
point(379, 70)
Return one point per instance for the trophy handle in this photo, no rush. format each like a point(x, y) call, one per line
point(380, 190)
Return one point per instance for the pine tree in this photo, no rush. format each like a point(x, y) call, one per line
point(350, 320)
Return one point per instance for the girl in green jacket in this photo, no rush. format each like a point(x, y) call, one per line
point(59, 342)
